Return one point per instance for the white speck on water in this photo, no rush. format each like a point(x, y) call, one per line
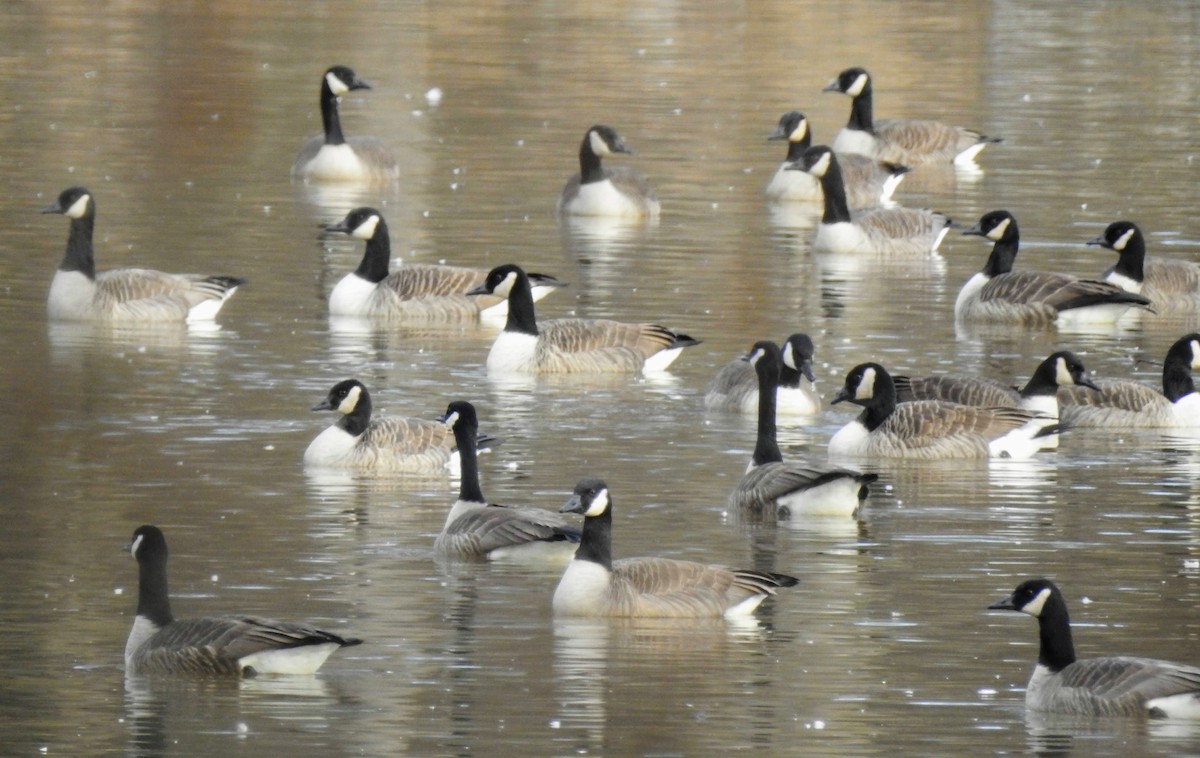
point(214, 578)
point(268, 447)
point(433, 96)
point(118, 590)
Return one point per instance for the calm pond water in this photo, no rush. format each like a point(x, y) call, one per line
point(183, 119)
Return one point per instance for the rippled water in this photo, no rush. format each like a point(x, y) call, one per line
point(183, 120)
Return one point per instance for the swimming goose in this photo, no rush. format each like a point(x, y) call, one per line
point(596, 585)
point(127, 295)
point(1172, 285)
point(928, 429)
point(879, 230)
point(911, 142)
point(735, 387)
point(773, 487)
point(332, 157)
point(999, 295)
point(574, 345)
point(475, 528)
point(1108, 686)
point(1129, 405)
point(217, 645)
point(597, 191)
point(868, 182)
point(413, 292)
point(394, 444)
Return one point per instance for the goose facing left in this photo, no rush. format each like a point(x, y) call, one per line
point(597, 586)
point(1105, 686)
point(412, 292)
point(571, 345)
point(607, 191)
point(333, 157)
point(128, 295)
point(212, 646)
point(1171, 284)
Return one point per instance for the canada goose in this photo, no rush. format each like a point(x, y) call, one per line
point(775, 488)
point(596, 585)
point(215, 645)
point(928, 429)
point(598, 191)
point(476, 528)
point(1172, 285)
point(1128, 405)
point(412, 292)
point(880, 230)
point(574, 345)
point(127, 295)
point(332, 157)
point(1108, 686)
point(911, 142)
point(999, 295)
point(395, 444)
point(735, 387)
point(868, 182)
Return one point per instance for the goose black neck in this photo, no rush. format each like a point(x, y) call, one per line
point(377, 256)
point(1131, 261)
point(766, 447)
point(882, 403)
point(355, 422)
point(329, 116)
point(1004, 254)
point(153, 601)
point(79, 256)
point(788, 376)
point(589, 163)
point(1044, 382)
point(1177, 370)
point(595, 544)
point(837, 209)
point(521, 316)
point(1057, 651)
point(861, 112)
point(465, 434)
point(796, 148)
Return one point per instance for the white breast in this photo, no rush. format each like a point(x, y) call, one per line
point(842, 237)
point(797, 186)
point(583, 589)
point(1187, 410)
point(854, 141)
point(969, 292)
point(602, 199)
point(851, 439)
point(513, 352)
point(335, 162)
point(351, 296)
point(71, 295)
point(330, 448)
point(143, 629)
point(796, 401)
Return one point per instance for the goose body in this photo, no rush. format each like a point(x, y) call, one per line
point(129, 295)
point(394, 444)
point(213, 646)
point(565, 346)
point(1107, 686)
point(595, 585)
point(774, 488)
point(411, 293)
point(868, 182)
point(1132, 405)
point(1172, 285)
point(928, 429)
point(999, 295)
point(911, 142)
point(475, 528)
point(735, 386)
point(885, 231)
point(600, 191)
point(332, 157)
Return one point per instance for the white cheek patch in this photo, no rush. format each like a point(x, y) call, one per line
point(451, 420)
point(1034, 607)
point(1195, 354)
point(505, 286)
point(599, 504)
point(866, 386)
point(350, 402)
point(819, 168)
point(799, 133)
point(336, 85)
point(1063, 374)
point(1120, 242)
point(756, 356)
point(998, 231)
point(79, 208)
point(599, 146)
point(789, 357)
point(860, 83)
point(133, 546)
point(366, 230)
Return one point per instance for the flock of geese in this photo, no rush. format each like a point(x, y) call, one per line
point(922, 417)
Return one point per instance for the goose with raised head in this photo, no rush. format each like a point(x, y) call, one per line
point(475, 528)
point(868, 182)
point(928, 429)
point(911, 142)
point(1171, 284)
point(217, 645)
point(600, 191)
point(595, 585)
point(412, 292)
point(333, 157)
point(774, 488)
point(391, 444)
point(1106, 686)
point(125, 295)
point(886, 231)
point(574, 345)
point(999, 295)
point(1132, 405)
point(735, 386)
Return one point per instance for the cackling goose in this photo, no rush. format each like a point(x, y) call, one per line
point(331, 157)
point(1172, 285)
point(598, 191)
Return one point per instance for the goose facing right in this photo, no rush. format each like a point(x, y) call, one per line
point(127, 295)
point(735, 385)
point(574, 345)
point(600, 191)
point(332, 157)
point(1107, 686)
point(597, 586)
point(1173, 285)
point(999, 295)
point(212, 646)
